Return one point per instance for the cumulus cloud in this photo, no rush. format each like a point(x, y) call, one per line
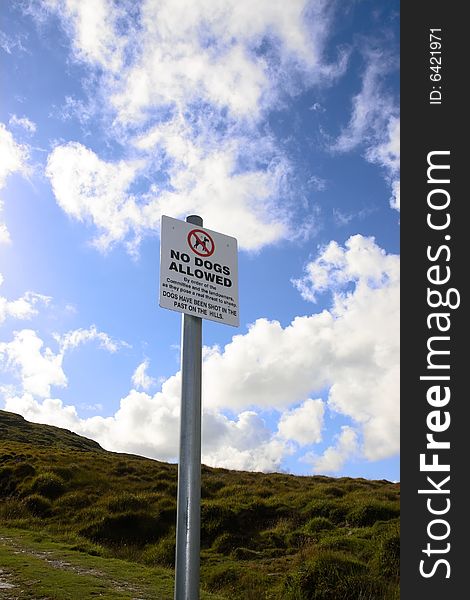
point(303, 424)
point(13, 156)
point(334, 457)
point(88, 188)
point(350, 350)
point(208, 183)
point(13, 159)
point(21, 308)
point(92, 26)
point(4, 233)
point(361, 260)
point(37, 367)
point(140, 379)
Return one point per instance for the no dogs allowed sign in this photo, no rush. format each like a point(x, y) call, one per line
point(198, 272)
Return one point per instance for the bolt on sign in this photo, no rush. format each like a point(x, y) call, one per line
point(198, 272)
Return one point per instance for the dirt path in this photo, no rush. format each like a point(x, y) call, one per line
point(37, 566)
point(57, 563)
point(14, 587)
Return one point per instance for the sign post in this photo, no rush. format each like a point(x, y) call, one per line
point(188, 517)
point(199, 278)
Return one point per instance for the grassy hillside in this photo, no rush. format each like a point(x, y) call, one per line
point(262, 535)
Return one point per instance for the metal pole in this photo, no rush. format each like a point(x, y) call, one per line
point(188, 519)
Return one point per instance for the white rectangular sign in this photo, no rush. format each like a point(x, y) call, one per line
point(198, 272)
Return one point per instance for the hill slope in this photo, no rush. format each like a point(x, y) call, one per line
point(262, 535)
point(14, 428)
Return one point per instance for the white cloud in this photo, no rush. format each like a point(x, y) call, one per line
point(13, 159)
point(93, 28)
point(23, 122)
point(387, 154)
point(13, 156)
point(351, 349)
point(208, 181)
point(4, 233)
point(334, 457)
point(372, 107)
point(210, 51)
point(361, 261)
point(317, 107)
point(304, 424)
point(76, 337)
point(244, 443)
point(88, 188)
point(239, 203)
point(22, 308)
point(374, 123)
point(38, 368)
point(395, 197)
point(343, 218)
point(140, 379)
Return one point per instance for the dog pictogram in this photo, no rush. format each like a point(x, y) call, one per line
point(201, 242)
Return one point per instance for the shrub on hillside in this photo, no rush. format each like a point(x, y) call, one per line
point(215, 520)
point(38, 505)
point(66, 473)
point(11, 509)
point(350, 543)
point(386, 562)
point(162, 553)
point(134, 528)
point(318, 524)
point(48, 484)
point(211, 486)
point(332, 509)
point(221, 576)
point(367, 514)
point(332, 576)
point(75, 500)
point(8, 481)
point(126, 501)
point(332, 491)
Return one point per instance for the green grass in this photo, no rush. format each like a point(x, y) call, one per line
point(263, 536)
point(39, 567)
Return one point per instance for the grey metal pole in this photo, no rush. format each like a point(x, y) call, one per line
point(188, 519)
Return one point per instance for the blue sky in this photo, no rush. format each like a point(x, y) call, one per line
point(278, 123)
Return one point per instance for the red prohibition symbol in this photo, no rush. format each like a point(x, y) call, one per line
point(201, 242)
